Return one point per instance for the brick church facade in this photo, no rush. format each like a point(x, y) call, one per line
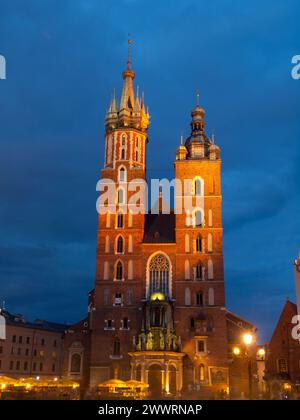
point(157, 311)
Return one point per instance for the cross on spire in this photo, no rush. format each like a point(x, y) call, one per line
point(197, 98)
point(129, 51)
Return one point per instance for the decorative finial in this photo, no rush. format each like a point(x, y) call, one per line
point(213, 137)
point(197, 98)
point(297, 262)
point(129, 51)
point(181, 139)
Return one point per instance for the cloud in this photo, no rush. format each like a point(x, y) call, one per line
point(63, 61)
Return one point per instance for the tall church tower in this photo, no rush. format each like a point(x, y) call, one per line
point(114, 312)
point(200, 317)
point(157, 311)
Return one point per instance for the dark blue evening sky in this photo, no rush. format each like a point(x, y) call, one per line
point(63, 59)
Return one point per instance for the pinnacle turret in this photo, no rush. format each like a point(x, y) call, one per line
point(131, 111)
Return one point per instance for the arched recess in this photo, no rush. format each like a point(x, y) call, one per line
point(202, 372)
point(108, 219)
point(187, 297)
point(159, 274)
point(187, 242)
point(130, 270)
point(187, 270)
point(130, 243)
point(107, 244)
point(75, 363)
point(209, 243)
point(106, 271)
point(210, 217)
point(211, 296)
point(130, 219)
point(210, 270)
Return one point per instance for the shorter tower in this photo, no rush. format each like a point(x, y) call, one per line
point(297, 282)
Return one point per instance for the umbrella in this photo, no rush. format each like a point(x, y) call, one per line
point(5, 380)
point(113, 383)
point(137, 384)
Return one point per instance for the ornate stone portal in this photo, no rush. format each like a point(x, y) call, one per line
point(158, 358)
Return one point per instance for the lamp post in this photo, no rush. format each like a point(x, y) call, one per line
point(248, 339)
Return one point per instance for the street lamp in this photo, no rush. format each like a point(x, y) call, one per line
point(248, 339)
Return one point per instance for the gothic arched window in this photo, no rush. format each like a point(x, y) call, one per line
point(199, 272)
point(121, 196)
point(199, 299)
point(122, 174)
point(120, 220)
point(123, 147)
point(119, 271)
point(199, 244)
point(125, 324)
point(198, 218)
point(159, 275)
point(117, 347)
point(192, 323)
point(197, 186)
point(120, 245)
point(76, 363)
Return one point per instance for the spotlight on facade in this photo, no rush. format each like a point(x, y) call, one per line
point(236, 351)
point(248, 339)
point(158, 296)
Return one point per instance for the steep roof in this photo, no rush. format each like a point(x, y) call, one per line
point(239, 321)
point(288, 311)
point(159, 228)
point(20, 321)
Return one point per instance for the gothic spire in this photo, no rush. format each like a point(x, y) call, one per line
point(127, 99)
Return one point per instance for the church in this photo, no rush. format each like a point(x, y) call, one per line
point(157, 311)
